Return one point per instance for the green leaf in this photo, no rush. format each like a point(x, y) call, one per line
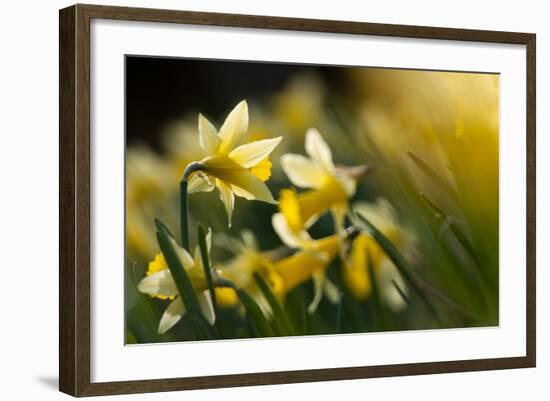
point(401, 292)
point(207, 272)
point(282, 321)
point(379, 312)
point(162, 227)
point(450, 222)
point(398, 260)
point(253, 311)
point(184, 286)
point(434, 176)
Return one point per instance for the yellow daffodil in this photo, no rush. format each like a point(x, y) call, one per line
point(367, 259)
point(311, 261)
point(240, 270)
point(231, 165)
point(282, 273)
point(159, 283)
point(329, 186)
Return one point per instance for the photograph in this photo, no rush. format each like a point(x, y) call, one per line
point(271, 199)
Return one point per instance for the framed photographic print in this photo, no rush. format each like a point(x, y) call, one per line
point(235, 190)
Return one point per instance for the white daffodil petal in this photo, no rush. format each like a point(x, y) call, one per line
point(348, 183)
point(159, 283)
point(386, 277)
point(209, 240)
point(173, 313)
point(248, 186)
point(381, 214)
point(332, 292)
point(207, 308)
point(185, 258)
point(319, 278)
point(250, 154)
point(289, 238)
point(234, 128)
point(302, 172)
point(227, 197)
point(249, 239)
point(318, 149)
point(208, 136)
point(199, 183)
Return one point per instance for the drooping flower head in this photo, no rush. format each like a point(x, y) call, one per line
point(247, 261)
point(283, 270)
point(233, 166)
point(309, 262)
point(367, 260)
point(328, 186)
point(160, 284)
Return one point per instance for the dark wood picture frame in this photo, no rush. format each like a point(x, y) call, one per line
point(74, 199)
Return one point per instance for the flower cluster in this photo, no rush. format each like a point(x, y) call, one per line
point(238, 167)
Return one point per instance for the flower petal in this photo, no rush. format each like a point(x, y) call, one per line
point(185, 258)
point(248, 186)
point(199, 182)
point(289, 238)
point(208, 136)
point(318, 150)
point(319, 278)
point(387, 275)
point(302, 172)
point(332, 292)
point(348, 183)
point(381, 214)
point(208, 239)
point(234, 128)
point(159, 283)
point(173, 313)
point(227, 197)
point(250, 154)
point(207, 308)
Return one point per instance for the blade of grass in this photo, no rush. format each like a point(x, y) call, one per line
point(208, 274)
point(281, 318)
point(260, 323)
point(184, 286)
point(456, 242)
point(434, 176)
point(162, 227)
point(444, 217)
point(398, 260)
point(380, 314)
point(401, 292)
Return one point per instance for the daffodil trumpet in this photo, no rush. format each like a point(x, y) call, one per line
point(328, 186)
point(311, 259)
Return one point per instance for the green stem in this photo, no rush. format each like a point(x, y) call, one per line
point(184, 207)
point(184, 215)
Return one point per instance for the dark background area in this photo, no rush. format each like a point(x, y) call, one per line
point(159, 90)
